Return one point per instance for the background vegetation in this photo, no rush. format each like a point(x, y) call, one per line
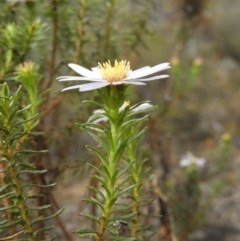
point(198, 104)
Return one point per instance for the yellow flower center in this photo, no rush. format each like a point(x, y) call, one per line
point(114, 73)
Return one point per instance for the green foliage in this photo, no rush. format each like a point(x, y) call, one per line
point(54, 32)
point(138, 173)
point(18, 43)
point(17, 120)
point(184, 76)
point(121, 134)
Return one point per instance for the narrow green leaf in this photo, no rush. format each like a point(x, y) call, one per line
point(38, 207)
point(3, 222)
point(95, 168)
point(96, 137)
point(27, 120)
point(23, 109)
point(120, 149)
point(99, 154)
point(30, 152)
point(123, 217)
point(123, 182)
point(11, 224)
point(146, 202)
point(113, 179)
point(32, 172)
point(147, 227)
point(4, 187)
point(97, 191)
point(113, 201)
point(91, 126)
point(34, 196)
point(138, 134)
point(47, 218)
point(93, 201)
point(112, 230)
point(100, 179)
point(17, 136)
point(25, 165)
point(12, 115)
point(124, 190)
point(15, 97)
point(2, 128)
point(6, 194)
point(133, 122)
point(38, 185)
point(95, 218)
point(85, 231)
point(3, 112)
point(101, 106)
point(88, 235)
point(9, 207)
point(5, 90)
point(124, 170)
point(106, 171)
point(120, 210)
point(108, 135)
point(42, 230)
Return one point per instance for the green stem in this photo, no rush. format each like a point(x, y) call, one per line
point(136, 180)
point(21, 204)
point(113, 169)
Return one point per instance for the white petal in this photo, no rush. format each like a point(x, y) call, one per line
point(103, 119)
point(184, 162)
point(98, 111)
point(141, 69)
point(92, 86)
point(133, 83)
point(67, 78)
point(120, 82)
point(155, 77)
point(83, 71)
point(71, 87)
point(97, 72)
point(201, 162)
point(128, 83)
point(147, 72)
point(143, 106)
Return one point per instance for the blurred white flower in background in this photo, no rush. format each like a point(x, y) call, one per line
point(189, 159)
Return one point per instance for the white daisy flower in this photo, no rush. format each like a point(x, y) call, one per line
point(103, 118)
point(189, 159)
point(106, 74)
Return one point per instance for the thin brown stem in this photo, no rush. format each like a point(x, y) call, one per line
point(83, 6)
point(57, 218)
point(54, 43)
point(166, 231)
point(109, 13)
point(5, 200)
point(21, 204)
point(12, 236)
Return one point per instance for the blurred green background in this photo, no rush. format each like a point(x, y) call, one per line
point(198, 104)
